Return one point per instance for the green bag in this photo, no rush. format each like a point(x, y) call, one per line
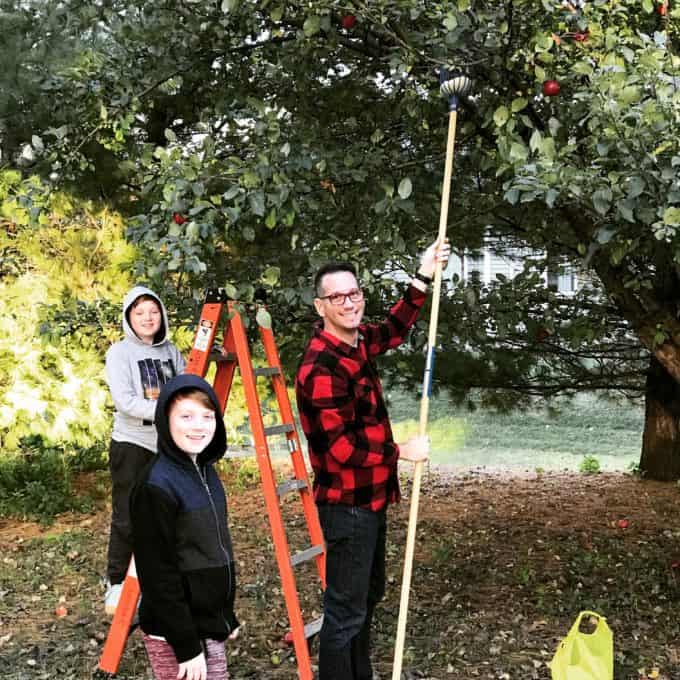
point(585, 656)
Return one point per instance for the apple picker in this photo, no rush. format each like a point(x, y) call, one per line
point(452, 86)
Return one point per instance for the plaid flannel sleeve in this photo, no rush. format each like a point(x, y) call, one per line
point(391, 332)
point(329, 397)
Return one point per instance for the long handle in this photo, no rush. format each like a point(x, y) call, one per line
point(424, 406)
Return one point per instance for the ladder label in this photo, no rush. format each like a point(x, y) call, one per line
point(203, 335)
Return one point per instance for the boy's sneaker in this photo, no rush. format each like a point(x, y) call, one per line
point(111, 598)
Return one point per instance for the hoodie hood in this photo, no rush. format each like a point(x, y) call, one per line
point(217, 447)
point(136, 292)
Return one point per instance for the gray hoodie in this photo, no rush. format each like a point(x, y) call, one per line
point(135, 373)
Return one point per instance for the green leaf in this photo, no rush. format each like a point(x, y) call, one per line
point(263, 318)
point(463, 5)
point(312, 25)
point(672, 216)
point(228, 5)
point(512, 196)
point(37, 143)
point(270, 220)
point(170, 135)
point(602, 199)
point(256, 200)
point(231, 192)
point(450, 22)
point(271, 275)
point(535, 140)
point(518, 152)
point(501, 116)
point(405, 188)
point(636, 185)
point(626, 211)
point(518, 104)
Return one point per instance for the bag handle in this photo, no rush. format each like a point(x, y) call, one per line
point(580, 617)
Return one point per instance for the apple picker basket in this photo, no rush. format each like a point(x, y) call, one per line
point(585, 656)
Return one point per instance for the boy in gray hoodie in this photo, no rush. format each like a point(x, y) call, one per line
point(136, 369)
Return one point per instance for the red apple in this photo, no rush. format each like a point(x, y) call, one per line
point(662, 9)
point(179, 218)
point(348, 21)
point(623, 523)
point(580, 36)
point(60, 611)
point(551, 88)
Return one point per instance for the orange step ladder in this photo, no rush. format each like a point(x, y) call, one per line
point(237, 353)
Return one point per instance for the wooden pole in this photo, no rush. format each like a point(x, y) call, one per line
point(424, 404)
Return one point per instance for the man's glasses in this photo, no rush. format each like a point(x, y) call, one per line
point(338, 299)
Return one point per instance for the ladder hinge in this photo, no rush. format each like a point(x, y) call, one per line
point(216, 296)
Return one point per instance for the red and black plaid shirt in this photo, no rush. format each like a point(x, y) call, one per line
point(343, 413)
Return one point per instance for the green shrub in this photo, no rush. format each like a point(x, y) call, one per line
point(36, 483)
point(590, 465)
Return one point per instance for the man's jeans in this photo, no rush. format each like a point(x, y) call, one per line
point(355, 583)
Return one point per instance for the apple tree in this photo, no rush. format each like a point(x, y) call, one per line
point(246, 142)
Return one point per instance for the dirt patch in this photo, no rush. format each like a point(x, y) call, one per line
point(503, 566)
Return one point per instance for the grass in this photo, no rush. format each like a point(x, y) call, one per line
point(589, 425)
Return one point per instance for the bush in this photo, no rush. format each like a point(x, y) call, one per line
point(590, 465)
point(36, 482)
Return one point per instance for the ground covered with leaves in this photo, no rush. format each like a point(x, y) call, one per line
point(503, 566)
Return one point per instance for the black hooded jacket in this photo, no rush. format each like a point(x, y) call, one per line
point(181, 538)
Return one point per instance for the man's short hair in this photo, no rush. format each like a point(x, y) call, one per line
point(332, 268)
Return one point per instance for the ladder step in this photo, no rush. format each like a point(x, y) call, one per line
point(305, 555)
point(278, 429)
point(267, 370)
point(290, 485)
point(311, 629)
point(219, 358)
point(240, 452)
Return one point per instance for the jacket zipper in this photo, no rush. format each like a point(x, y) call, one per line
point(204, 481)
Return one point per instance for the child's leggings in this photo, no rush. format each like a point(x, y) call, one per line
point(164, 663)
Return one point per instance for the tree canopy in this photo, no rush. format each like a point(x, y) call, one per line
point(246, 142)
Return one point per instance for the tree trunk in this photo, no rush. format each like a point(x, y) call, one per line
point(660, 457)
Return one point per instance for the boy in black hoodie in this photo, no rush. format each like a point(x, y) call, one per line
point(181, 540)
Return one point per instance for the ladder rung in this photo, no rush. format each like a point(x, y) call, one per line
point(218, 357)
point(290, 485)
point(240, 452)
point(313, 627)
point(267, 370)
point(278, 429)
point(305, 555)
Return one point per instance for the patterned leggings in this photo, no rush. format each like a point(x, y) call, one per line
point(165, 666)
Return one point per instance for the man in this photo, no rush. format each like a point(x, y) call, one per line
point(353, 454)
